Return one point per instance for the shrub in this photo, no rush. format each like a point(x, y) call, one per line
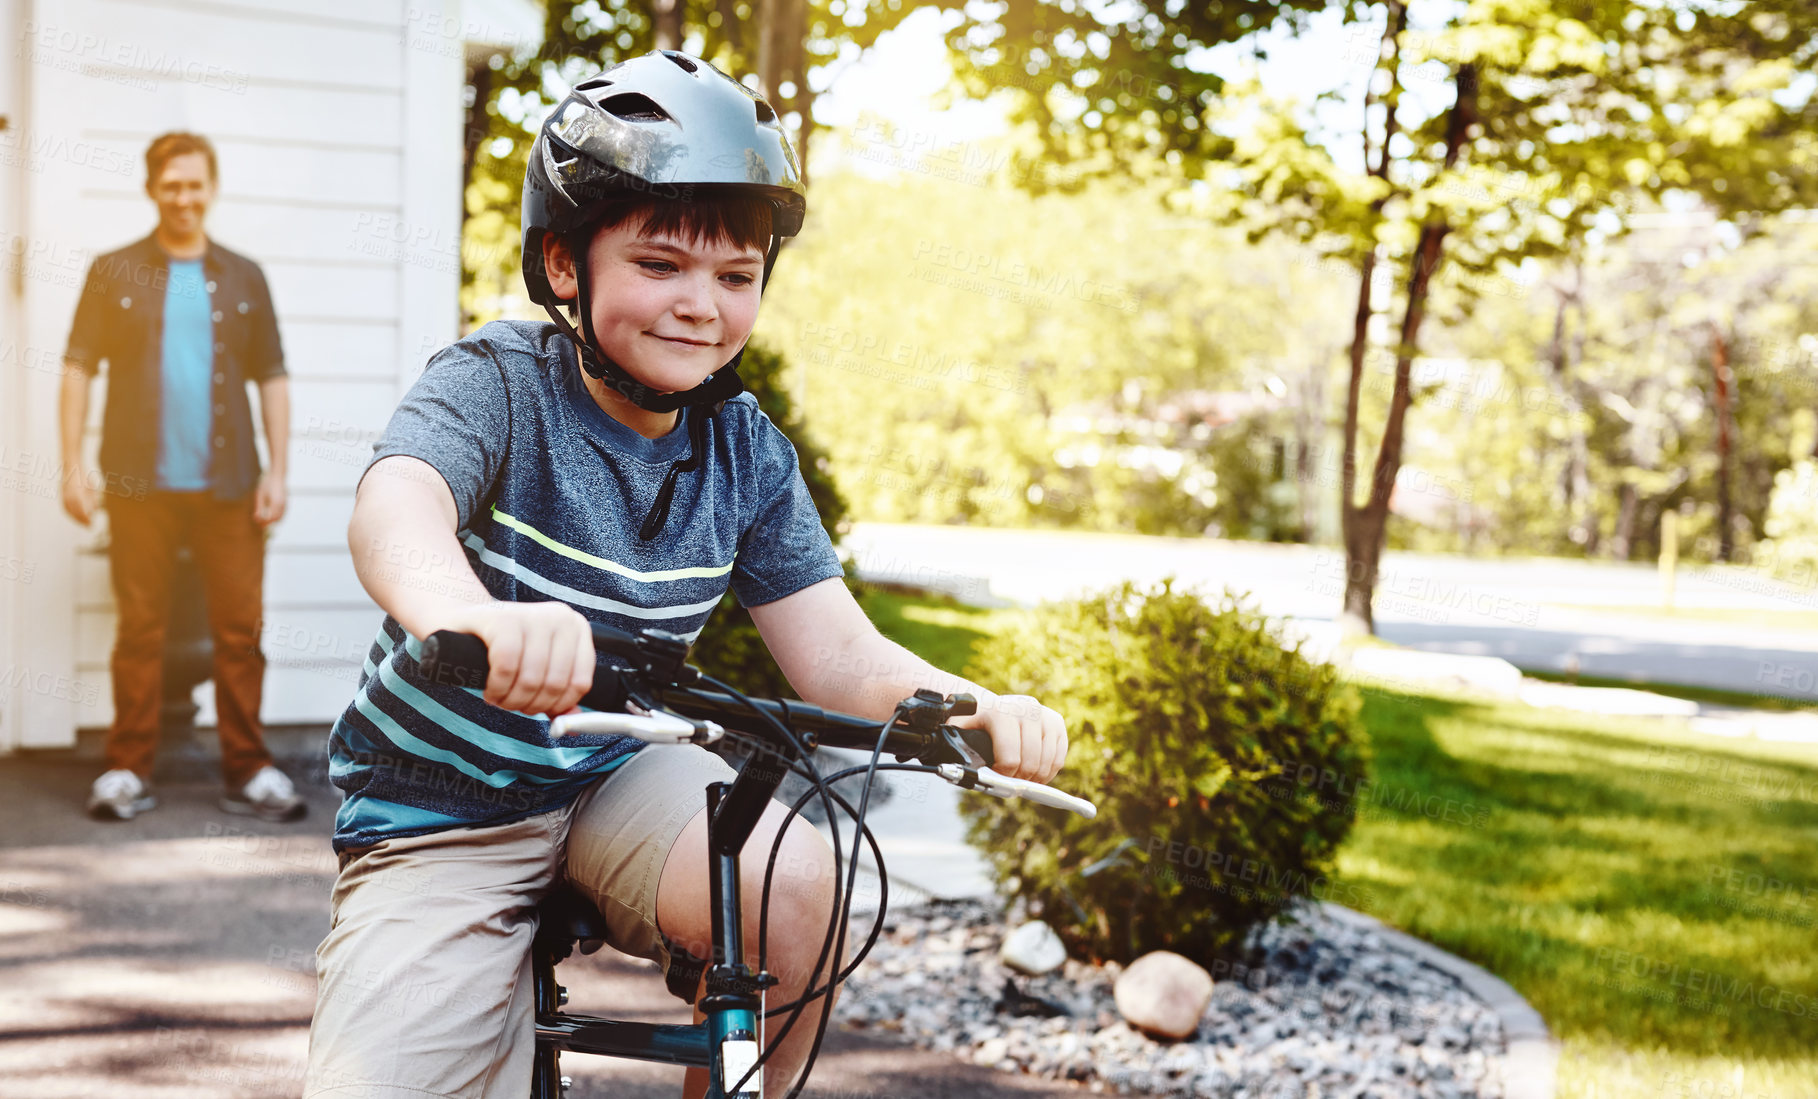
point(1195, 732)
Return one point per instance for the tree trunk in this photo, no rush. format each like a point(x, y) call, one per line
point(1723, 384)
point(1364, 547)
point(730, 24)
point(666, 23)
point(1355, 614)
point(805, 132)
point(480, 76)
point(1575, 485)
point(1623, 543)
point(772, 50)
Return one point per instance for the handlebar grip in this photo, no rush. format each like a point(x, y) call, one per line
point(459, 660)
point(980, 741)
point(455, 659)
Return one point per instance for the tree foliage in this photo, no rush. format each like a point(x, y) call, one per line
point(1556, 113)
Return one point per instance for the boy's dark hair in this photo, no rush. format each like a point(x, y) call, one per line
point(175, 144)
point(738, 218)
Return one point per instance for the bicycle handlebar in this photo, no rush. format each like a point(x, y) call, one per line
point(460, 660)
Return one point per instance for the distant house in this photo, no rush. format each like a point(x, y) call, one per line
point(339, 128)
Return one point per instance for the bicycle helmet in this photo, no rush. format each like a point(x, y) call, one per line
point(665, 125)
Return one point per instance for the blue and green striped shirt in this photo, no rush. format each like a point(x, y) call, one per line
point(549, 492)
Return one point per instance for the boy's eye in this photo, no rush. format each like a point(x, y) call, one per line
point(652, 264)
point(741, 280)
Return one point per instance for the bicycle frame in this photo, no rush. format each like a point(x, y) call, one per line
point(726, 1043)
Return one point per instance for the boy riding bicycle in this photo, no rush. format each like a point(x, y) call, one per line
point(537, 478)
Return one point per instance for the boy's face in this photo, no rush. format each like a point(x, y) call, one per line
point(670, 312)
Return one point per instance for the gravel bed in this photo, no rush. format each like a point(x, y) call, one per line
point(1325, 1010)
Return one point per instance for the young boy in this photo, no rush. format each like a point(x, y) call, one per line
point(536, 478)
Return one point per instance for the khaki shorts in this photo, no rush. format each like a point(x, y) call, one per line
point(424, 979)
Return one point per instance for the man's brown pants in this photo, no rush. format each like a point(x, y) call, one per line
point(229, 548)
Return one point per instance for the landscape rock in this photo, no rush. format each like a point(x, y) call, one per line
point(1164, 994)
point(1034, 949)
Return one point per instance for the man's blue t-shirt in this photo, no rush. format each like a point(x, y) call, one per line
point(186, 408)
point(549, 493)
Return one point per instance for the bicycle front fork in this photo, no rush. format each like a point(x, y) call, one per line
point(734, 1003)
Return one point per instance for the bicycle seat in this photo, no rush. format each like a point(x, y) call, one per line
point(565, 917)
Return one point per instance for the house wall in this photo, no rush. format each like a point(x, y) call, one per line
point(338, 127)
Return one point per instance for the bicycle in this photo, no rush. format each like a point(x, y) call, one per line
point(648, 670)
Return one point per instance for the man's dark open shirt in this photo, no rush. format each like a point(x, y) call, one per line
point(120, 319)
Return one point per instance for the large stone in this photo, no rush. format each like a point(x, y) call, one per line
point(1034, 949)
point(1163, 994)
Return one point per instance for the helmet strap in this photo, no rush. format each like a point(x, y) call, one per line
point(658, 514)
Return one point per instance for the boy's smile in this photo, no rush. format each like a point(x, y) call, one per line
point(671, 312)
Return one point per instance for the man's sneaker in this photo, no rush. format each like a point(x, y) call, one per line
point(269, 796)
point(119, 795)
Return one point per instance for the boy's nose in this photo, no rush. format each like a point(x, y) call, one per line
point(696, 300)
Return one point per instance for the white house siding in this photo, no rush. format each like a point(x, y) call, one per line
point(338, 127)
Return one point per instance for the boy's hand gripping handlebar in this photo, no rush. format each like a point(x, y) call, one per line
point(659, 682)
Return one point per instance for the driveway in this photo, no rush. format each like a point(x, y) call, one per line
point(172, 956)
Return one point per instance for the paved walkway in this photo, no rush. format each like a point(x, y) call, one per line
point(172, 957)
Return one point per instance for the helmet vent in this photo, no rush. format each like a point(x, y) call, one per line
point(635, 107)
point(595, 84)
point(764, 113)
point(680, 60)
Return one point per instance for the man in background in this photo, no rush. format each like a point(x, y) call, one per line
point(183, 325)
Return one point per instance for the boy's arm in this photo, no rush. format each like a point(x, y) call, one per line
point(405, 553)
point(834, 657)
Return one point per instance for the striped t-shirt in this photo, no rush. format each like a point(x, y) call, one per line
point(550, 492)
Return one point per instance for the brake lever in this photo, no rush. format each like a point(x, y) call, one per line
point(927, 711)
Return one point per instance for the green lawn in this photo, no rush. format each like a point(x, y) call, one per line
point(1653, 894)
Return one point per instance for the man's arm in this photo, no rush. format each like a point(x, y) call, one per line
point(834, 657)
point(72, 417)
point(274, 408)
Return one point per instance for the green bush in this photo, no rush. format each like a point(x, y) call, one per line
point(730, 647)
point(1195, 732)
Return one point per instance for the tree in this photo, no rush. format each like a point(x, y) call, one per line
point(1559, 111)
